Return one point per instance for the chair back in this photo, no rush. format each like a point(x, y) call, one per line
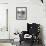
point(33, 28)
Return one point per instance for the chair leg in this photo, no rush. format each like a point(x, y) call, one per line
point(32, 42)
point(20, 42)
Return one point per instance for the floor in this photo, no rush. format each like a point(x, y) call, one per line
point(23, 44)
point(26, 44)
point(5, 44)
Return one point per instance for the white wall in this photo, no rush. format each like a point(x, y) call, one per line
point(3, 21)
point(3, 1)
point(4, 34)
point(35, 13)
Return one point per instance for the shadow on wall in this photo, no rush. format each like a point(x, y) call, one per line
point(41, 34)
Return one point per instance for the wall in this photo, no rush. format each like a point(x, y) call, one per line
point(4, 34)
point(35, 13)
point(3, 1)
point(3, 21)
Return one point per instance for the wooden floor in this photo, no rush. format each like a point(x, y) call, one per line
point(27, 44)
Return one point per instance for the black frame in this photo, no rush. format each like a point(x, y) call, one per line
point(26, 13)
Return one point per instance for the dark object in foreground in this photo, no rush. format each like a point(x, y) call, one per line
point(33, 30)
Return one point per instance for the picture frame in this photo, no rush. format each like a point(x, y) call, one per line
point(21, 13)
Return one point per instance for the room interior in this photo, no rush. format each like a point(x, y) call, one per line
point(12, 24)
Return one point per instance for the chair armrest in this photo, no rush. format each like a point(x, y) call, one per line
point(22, 35)
point(24, 32)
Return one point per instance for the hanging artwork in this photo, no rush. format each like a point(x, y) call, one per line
point(21, 13)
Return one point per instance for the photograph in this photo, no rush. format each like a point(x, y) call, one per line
point(21, 13)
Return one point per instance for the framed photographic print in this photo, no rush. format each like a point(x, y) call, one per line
point(21, 13)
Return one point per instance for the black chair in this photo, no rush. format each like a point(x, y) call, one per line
point(32, 29)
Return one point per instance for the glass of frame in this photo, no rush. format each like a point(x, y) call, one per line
point(21, 13)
